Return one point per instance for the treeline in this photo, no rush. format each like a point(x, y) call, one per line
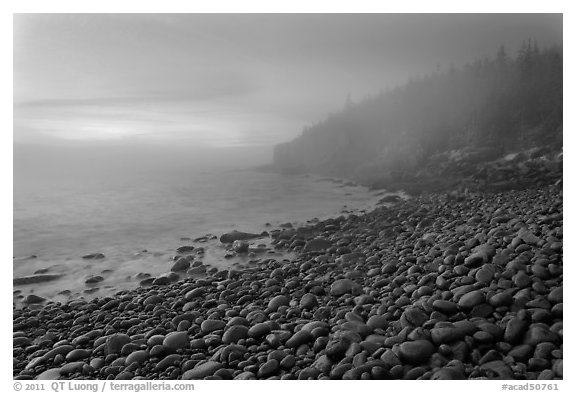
point(503, 103)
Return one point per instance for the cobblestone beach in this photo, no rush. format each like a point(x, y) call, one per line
point(442, 286)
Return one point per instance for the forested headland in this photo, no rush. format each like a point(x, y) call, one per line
point(445, 127)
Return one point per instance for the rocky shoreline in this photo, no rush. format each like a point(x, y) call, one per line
point(442, 286)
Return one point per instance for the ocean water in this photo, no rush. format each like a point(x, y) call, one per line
point(136, 208)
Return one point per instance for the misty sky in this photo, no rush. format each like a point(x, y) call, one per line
point(230, 79)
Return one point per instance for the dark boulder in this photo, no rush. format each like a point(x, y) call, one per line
point(230, 237)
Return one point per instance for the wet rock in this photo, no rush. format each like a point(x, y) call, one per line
point(339, 371)
point(288, 362)
point(139, 357)
point(246, 375)
point(343, 286)
point(26, 258)
point(147, 282)
point(240, 246)
point(158, 351)
point(34, 299)
point(211, 325)
point(77, 354)
point(540, 333)
point(416, 352)
point(445, 307)
point(521, 353)
point(389, 199)
point(50, 374)
point(97, 363)
point(497, 369)
point(35, 279)
point(413, 316)
point(484, 275)
point(152, 299)
point(21, 341)
point(180, 265)
point(522, 280)
point(324, 364)
point(444, 335)
point(203, 370)
point(556, 295)
point(546, 375)
point(231, 237)
point(176, 340)
point(115, 342)
point(318, 244)
point(168, 361)
point(94, 279)
point(124, 376)
point(558, 368)
point(528, 237)
point(71, 368)
point(162, 280)
point(515, 329)
point(58, 350)
point(308, 301)
point(96, 255)
point(482, 254)
point(271, 367)
point(448, 373)
point(259, 330)
point(340, 342)
point(380, 373)
point(234, 333)
point(194, 294)
point(299, 338)
point(201, 269)
point(277, 302)
point(501, 299)
point(185, 249)
point(377, 322)
point(471, 299)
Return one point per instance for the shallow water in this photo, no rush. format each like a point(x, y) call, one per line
point(64, 212)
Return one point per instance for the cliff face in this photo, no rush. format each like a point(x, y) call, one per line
point(412, 133)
